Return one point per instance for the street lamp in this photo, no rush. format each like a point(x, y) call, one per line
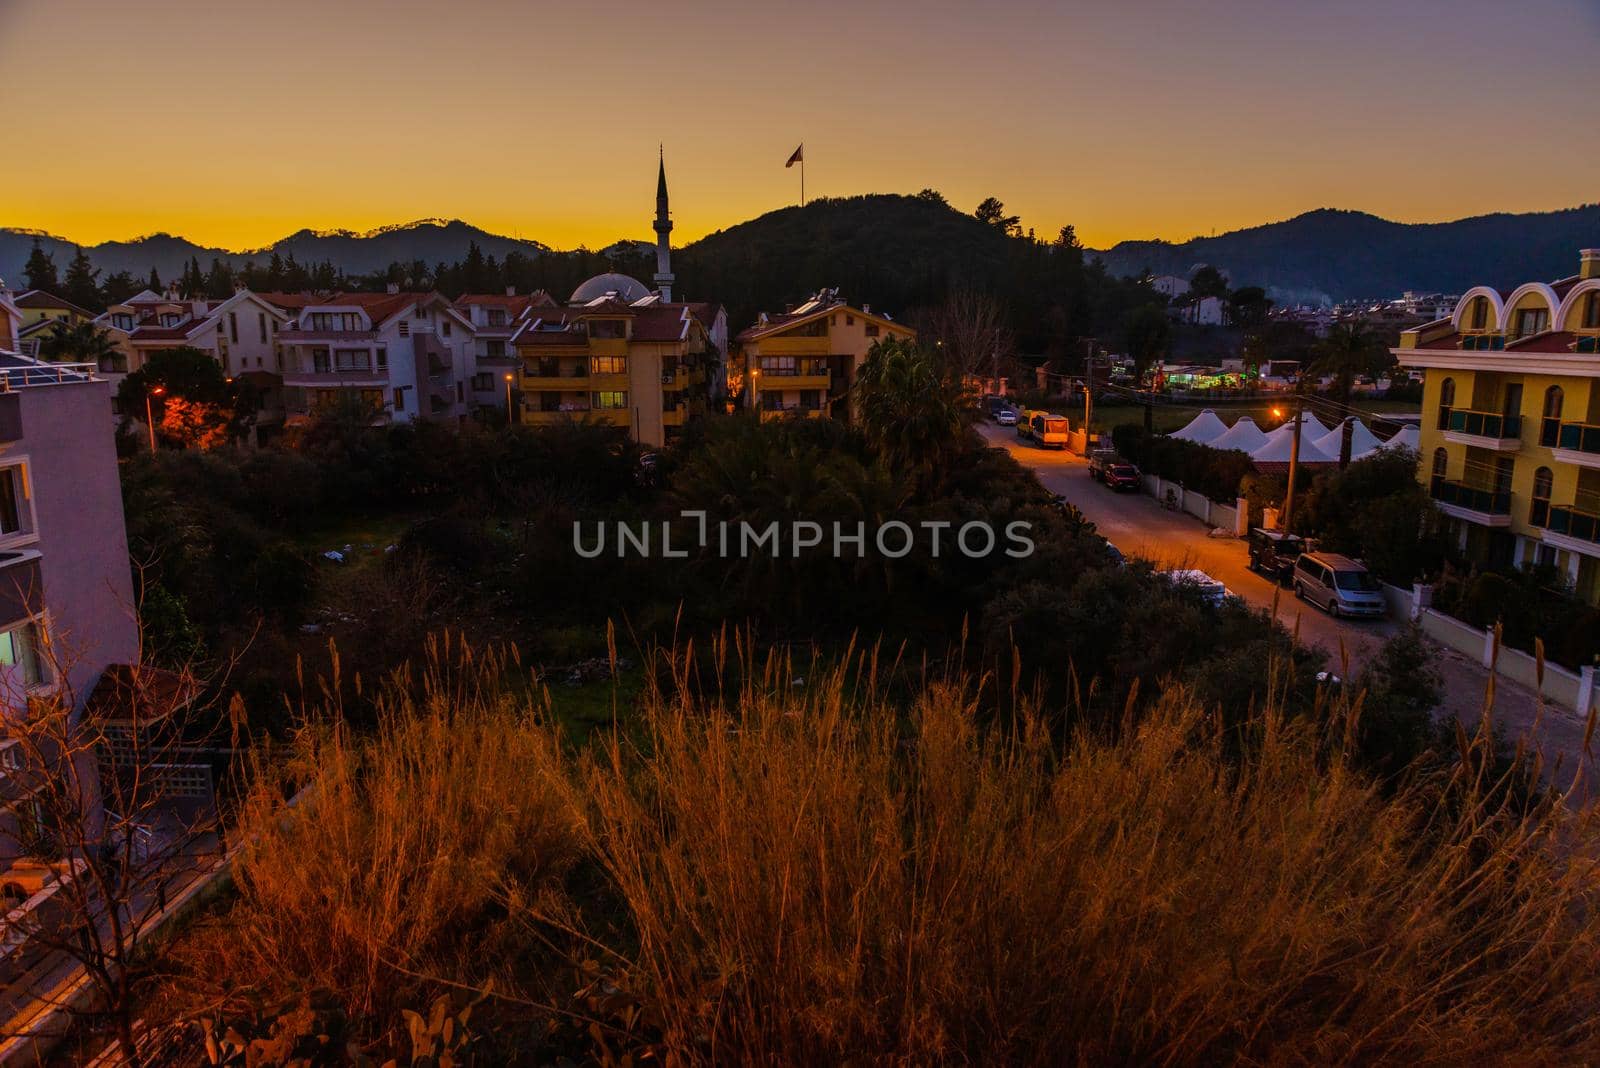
point(149, 418)
point(508, 398)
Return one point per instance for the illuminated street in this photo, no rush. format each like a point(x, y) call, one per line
point(1140, 526)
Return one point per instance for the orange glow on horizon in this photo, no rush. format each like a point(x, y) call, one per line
point(235, 125)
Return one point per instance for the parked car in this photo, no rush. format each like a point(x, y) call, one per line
point(1338, 585)
point(1006, 417)
point(1273, 553)
point(1211, 589)
point(1112, 470)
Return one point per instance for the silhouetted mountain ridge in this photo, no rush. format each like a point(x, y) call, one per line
point(890, 246)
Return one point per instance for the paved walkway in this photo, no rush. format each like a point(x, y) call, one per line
point(1140, 526)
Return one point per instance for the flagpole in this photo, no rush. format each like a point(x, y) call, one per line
point(802, 179)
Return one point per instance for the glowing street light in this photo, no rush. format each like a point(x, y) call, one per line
point(508, 398)
point(149, 418)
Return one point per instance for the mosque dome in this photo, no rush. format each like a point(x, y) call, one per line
point(627, 289)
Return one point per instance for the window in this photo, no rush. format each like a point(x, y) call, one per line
point(1480, 313)
point(1447, 400)
point(261, 320)
point(608, 329)
point(444, 327)
point(1539, 507)
point(497, 317)
point(482, 382)
point(233, 327)
point(372, 398)
point(608, 365)
point(383, 359)
point(461, 392)
point(13, 500)
point(494, 350)
point(1532, 321)
point(849, 320)
point(872, 329)
point(611, 399)
point(1550, 425)
point(405, 328)
point(352, 360)
point(422, 312)
point(783, 366)
point(399, 400)
point(122, 321)
point(19, 653)
point(1591, 310)
point(811, 400)
point(1441, 461)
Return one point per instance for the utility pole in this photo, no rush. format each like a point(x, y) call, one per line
point(1294, 458)
point(1088, 404)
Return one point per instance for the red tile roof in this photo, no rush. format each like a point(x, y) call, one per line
point(166, 333)
point(290, 301)
point(661, 323)
point(38, 298)
point(1549, 341)
point(139, 692)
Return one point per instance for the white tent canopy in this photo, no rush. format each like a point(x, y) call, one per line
point(1310, 431)
point(1276, 450)
point(1203, 429)
point(1243, 435)
point(1409, 437)
point(1362, 440)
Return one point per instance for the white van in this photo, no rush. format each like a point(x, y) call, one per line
point(1338, 585)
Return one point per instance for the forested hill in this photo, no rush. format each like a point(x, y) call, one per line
point(896, 252)
point(1348, 254)
point(906, 252)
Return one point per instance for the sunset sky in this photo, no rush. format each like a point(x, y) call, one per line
point(236, 123)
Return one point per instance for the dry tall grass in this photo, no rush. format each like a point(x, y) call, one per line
point(815, 873)
point(403, 839)
point(811, 884)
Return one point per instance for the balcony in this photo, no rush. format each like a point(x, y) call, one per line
point(1573, 529)
point(799, 411)
point(613, 416)
point(1485, 507)
point(1484, 430)
point(1578, 443)
point(328, 378)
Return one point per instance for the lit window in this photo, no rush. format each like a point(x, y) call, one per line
point(610, 399)
point(19, 653)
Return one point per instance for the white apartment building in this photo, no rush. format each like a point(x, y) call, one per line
point(240, 333)
point(410, 355)
point(495, 317)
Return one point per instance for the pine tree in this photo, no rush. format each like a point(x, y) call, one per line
point(119, 287)
point(82, 285)
point(40, 269)
point(193, 282)
point(154, 283)
point(219, 281)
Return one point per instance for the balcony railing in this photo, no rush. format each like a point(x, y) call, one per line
point(1580, 437)
point(1575, 523)
point(1485, 424)
point(1472, 498)
point(45, 374)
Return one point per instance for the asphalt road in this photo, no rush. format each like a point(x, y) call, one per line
point(1139, 525)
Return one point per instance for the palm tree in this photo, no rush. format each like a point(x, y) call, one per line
point(912, 408)
point(82, 343)
point(1350, 349)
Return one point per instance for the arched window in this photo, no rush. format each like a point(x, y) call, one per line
point(1480, 313)
point(1591, 310)
point(1539, 507)
point(1550, 426)
point(1447, 400)
point(1441, 460)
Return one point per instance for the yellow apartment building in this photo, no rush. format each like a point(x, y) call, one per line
point(640, 366)
point(805, 361)
point(1511, 422)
